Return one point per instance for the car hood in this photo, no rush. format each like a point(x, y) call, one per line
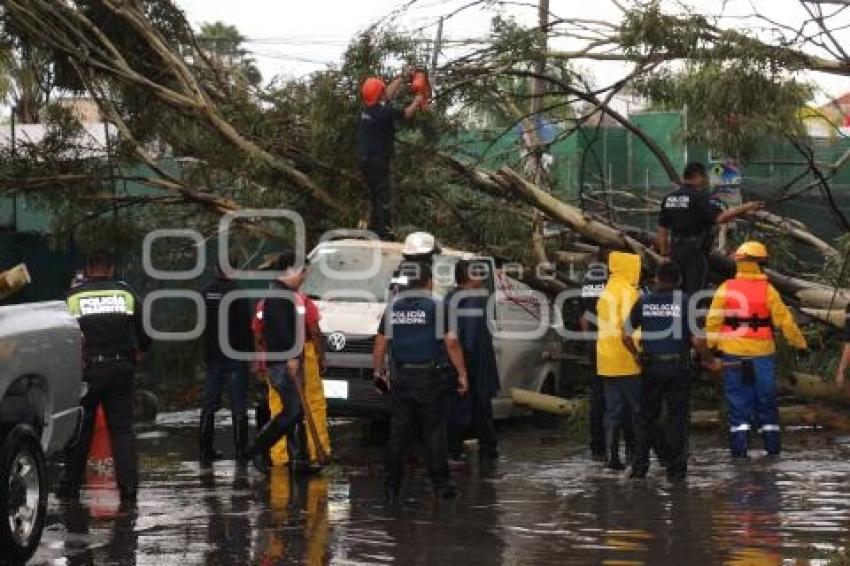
point(359, 319)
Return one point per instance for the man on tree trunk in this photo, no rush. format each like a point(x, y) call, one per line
point(686, 225)
point(376, 141)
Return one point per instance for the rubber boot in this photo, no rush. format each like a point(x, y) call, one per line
point(613, 441)
point(772, 442)
point(739, 443)
point(240, 438)
point(268, 437)
point(207, 452)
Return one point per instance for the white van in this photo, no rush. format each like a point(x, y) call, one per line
point(350, 281)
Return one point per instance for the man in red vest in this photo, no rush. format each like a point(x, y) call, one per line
point(740, 324)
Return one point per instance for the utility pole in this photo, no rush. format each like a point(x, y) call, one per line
point(14, 141)
point(540, 66)
point(438, 44)
point(533, 139)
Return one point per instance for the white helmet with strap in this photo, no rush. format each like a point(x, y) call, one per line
point(420, 244)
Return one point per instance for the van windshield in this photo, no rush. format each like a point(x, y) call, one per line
point(350, 273)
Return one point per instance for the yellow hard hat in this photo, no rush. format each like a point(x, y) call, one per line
point(751, 250)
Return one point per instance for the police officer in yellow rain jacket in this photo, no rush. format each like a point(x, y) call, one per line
point(614, 363)
point(741, 323)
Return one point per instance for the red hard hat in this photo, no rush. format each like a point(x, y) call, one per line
point(372, 90)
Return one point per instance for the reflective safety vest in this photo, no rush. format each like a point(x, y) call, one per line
point(258, 330)
point(747, 314)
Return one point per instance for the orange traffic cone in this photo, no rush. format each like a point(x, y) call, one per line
point(100, 473)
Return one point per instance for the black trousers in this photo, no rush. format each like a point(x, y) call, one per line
point(478, 412)
point(110, 385)
point(669, 384)
point(692, 258)
point(377, 174)
point(419, 400)
point(482, 423)
point(286, 422)
point(597, 416)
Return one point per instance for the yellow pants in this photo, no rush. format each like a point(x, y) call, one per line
point(316, 405)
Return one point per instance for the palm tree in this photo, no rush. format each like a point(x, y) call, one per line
point(26, 81)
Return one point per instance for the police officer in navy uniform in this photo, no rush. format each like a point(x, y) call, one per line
point(110, 316)
point(667, 335)
point(686, 226)
point(376, 145)
point(467, 305)
point(414, 330)
point(593, 284)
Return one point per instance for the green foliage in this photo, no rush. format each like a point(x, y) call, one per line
point(731, 106)
point(736, 88)
point(512, 42)
point(648, 31)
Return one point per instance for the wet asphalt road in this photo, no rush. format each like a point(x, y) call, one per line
point(544, 503)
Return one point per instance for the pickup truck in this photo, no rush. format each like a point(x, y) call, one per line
point(40, 389)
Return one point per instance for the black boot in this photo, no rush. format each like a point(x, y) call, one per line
point(68, 491)
point(268, 437)
point(240, 438)
point(613, 441)
point(207, 452)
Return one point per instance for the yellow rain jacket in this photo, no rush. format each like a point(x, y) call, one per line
point(613, 308)
point(317, 405)
point(780, 317)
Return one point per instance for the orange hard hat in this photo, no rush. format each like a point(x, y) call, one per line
point(372, 90)
point(419, 84)
point(751, 251)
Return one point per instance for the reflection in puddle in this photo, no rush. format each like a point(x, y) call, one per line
point(543, 504)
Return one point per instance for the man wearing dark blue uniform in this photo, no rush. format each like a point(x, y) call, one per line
point(467, 306)
point(110, 316)
point(376, 143)
point(414, 331)
point(666, 326)
point(686, 226)
point(592, 286)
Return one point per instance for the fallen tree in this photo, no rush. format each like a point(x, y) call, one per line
point(809, 295)
point(791, 415)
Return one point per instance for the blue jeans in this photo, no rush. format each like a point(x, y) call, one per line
point(622, 406)
point(232, 373)
point(751, 399)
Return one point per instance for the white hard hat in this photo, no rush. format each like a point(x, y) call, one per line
point(420, 243)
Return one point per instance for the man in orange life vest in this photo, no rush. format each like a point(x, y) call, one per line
point(740, 323)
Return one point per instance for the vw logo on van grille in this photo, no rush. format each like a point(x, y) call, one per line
point(336, 341)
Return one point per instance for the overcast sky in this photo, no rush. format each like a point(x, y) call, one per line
point(294, 38)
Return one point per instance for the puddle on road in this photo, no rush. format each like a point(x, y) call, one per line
point(544, 504)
